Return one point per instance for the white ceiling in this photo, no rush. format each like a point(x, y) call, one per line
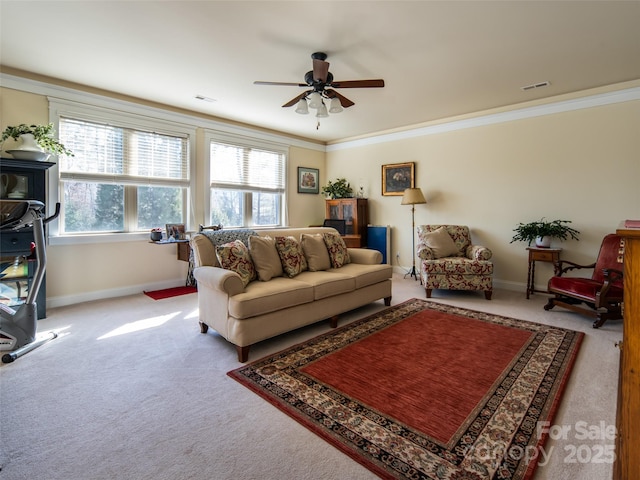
point(438, 58)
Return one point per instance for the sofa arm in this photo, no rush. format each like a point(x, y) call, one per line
point(477, 252)
point(219, 279)
point(365, 256)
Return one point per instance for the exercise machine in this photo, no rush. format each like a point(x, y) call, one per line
point(18, 326)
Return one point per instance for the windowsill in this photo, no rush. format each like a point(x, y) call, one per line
point(120, 237)
point(98, 238)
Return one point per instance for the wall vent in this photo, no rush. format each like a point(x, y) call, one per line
point(535, 85)
point(204, 99)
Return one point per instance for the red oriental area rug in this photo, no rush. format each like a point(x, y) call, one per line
point(425, 391)
point(170, 292)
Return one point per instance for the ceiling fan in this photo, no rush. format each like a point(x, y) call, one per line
point(319, 80)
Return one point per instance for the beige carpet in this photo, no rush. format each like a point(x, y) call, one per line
point(132, 390)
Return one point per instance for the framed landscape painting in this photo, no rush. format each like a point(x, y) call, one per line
point(308, 180)
point(397, 177)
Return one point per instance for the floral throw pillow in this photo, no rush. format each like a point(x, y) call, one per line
point(235, 256)
point(291, 256)
point(337, 249)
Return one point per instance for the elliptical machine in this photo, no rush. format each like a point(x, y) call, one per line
point(18, 326)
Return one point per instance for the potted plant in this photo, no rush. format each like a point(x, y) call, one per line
point(338, 189)
point(156, 234)
point(36, 138)
point(543, 231)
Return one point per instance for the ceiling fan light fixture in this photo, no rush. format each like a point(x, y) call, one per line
point(315, 100)
point(335, 106)
point(302, 107)
point(322, 110)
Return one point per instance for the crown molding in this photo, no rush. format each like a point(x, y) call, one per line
point(598, 100)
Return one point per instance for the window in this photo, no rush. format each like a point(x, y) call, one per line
point(122, 178)
point(247, 183)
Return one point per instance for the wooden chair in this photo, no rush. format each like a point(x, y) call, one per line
point(599, 296)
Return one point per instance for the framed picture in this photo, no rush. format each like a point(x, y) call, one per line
point(175, 231)
point(397, 177)
point(308, 180)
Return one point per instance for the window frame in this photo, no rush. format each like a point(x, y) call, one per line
point(245, 142)
point(126, 118)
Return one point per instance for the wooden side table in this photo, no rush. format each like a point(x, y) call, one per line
point(536, 254)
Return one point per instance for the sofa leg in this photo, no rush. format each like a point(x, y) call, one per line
point(243, 353)
point(333, 321)
point(387, 301)
point(487, 294)
point(204, 328)
point(428, 291)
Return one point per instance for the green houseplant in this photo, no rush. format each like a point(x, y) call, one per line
point(528, 232)
point(338, 189)
point(42, 134)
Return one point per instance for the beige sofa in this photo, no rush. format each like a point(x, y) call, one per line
point(245, 315)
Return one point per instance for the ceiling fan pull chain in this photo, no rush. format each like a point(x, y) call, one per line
point(318, 125)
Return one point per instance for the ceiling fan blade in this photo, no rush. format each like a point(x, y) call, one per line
point(320, 70)
point(282, 83)
point(293, 101)
point(375, 83)
point(344, 101)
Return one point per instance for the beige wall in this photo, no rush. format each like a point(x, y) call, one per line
point(581, 165)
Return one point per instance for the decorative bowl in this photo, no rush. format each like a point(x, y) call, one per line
point(29, 155)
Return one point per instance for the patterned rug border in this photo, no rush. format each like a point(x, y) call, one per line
point(269, 377)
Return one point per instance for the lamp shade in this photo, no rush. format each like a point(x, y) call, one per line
point(322, 111)
point(412, 196)
point(335, 106)
point(302, 107)
point(315, 100)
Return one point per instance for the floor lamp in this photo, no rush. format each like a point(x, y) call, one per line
point(413, 196)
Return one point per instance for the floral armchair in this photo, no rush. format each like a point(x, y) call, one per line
point(450, 261)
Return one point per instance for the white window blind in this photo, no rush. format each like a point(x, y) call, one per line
point(247, 168)
point(115, 154)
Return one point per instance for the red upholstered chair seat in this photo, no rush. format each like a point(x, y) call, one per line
point(602, 293)
point(583, 288)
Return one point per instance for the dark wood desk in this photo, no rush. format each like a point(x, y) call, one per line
point(536, 254)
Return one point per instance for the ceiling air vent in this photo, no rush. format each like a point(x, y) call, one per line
point(535, 85)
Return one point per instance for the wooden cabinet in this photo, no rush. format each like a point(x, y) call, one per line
point(627, 465)
point(21, 179)
point(355, 213)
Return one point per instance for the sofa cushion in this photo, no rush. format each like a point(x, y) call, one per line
point(337, 249)
point(206, 252)
point(291, 256)
point(315, 251)
point(235, 256)
point(365, 275)
point(441, 243)
point(458, 266)
point(265, 257)
point(264, 297)
point(328, 283)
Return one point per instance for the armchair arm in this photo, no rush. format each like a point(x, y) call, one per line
point(478, 252)
point(610, 275)
point(424, 252)
point(571, 266)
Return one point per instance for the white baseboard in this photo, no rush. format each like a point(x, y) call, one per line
point(61, 301)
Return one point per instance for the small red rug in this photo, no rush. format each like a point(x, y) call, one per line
point(170, 292)
point(424, 390)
